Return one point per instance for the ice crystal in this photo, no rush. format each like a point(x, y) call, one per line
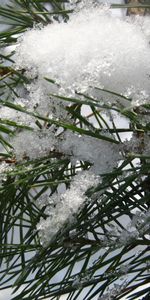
point(134, 145)
point(134, 230)
point(126, 237)
point(113, 292)
point(69, 202)
point(123, 269)
point(79, 281)
point(141, 221)
point(139, 143)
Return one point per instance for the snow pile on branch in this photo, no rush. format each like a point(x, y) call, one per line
point(92, 49)
point(102, 155)
point(63, 208)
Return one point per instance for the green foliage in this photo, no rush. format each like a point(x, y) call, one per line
point(51, 271)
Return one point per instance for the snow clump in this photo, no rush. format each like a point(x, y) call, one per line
point(92, 49)
point(102, 155)
point(63, 208)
